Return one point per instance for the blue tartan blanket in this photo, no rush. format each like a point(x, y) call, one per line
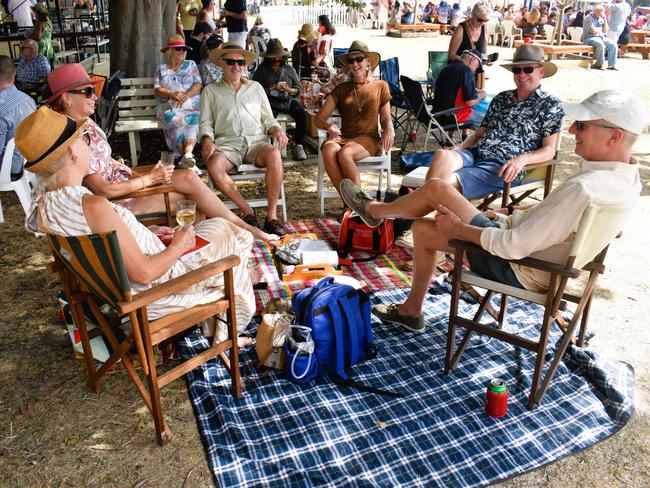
point(281, 434)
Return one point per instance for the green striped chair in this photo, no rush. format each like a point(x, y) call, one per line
point(92, 273)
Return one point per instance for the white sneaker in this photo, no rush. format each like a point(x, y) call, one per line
point(299, 153)
point(187, 162)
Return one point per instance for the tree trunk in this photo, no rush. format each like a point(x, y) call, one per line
point(138, 29)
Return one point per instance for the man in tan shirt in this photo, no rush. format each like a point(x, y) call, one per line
point(606, 126)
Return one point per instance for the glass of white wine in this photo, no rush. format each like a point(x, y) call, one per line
point(185, 212)
point(167, 159)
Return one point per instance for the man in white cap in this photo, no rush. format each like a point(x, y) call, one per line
point(521, 127)
point(605, 127)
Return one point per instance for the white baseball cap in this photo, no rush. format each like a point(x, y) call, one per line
point(620, 109)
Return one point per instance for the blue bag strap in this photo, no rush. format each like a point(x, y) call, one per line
point(353, 316)
point(338, 338)
point(364, 299)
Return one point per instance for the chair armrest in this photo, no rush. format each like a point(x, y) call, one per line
point(177, 284)
point(449, 111)
point(529, 262)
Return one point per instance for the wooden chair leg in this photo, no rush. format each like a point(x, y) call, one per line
point(453, 311)
point(231, 316)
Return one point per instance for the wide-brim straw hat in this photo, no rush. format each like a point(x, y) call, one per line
point(43, 136)
point(67, 77)
point(307, 33)
point(358, 47)
point(530, 54)
point(275, 49)
point(175, 40)
point(231, 48)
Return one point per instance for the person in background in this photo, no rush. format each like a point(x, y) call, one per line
point(509, 14)
point(594, 30)
point(470, 34)
point(443, 13)
point(189, 10)
point(428, 12)
point(619, 11)
point(303, 54)
point(363, 104)
point(43, 33)
point(260, 31)
point(206, 14)
point(177, 85)
point(578, 21)
point(408, 15)
point(201, 33)
point(325, 27)
point(210, 72)
point(235, 14)
point(22, 13)
point(530, 23)
point(32, 68)
point(283, 89)
point(14, 107)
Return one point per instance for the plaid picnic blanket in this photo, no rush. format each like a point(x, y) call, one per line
point(281, 434)
point(383, 272)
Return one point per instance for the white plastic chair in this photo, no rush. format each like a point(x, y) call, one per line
point(259, 48)
point(492, 31)
point(510, 32)
point(20, 186)
point(377, 164)
point(575, 34)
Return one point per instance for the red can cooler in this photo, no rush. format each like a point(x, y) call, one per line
point(496, 404)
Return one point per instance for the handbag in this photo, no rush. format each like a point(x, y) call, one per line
point(269, 341)
point(356, 235)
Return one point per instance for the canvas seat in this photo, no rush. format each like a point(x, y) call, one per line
point(389, 72)
point(438, 60)
point(92, 273)
point(598, 227)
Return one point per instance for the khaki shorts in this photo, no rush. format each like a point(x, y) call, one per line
point(246, 154)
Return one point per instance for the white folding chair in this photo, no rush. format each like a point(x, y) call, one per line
point(20, 186)
point(259, 48)
point(377, 164)
point(324, 47)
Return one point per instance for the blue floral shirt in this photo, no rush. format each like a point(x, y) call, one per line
point(512, 129)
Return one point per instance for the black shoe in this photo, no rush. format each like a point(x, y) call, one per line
point(251, 220)
point(491, 58)
point(273, 227)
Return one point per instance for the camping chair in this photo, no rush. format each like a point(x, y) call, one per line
point(422, 115)
point(93, 275)
point(537, 176)
point(389, 72)
point(598, 227)
point(437, 62)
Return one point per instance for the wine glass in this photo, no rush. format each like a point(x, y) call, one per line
point(167, 159)
point(185, 212)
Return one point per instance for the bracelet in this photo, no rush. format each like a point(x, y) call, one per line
point(143, 183)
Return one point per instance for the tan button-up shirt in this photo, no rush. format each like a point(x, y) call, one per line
point(236, 119)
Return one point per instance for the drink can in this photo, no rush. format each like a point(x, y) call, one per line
point(496, 404)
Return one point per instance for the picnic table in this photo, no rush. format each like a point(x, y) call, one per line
point(418, 30)
point(639, 43)
point(552, 51)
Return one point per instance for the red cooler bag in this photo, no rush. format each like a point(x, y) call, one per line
point(355, 235)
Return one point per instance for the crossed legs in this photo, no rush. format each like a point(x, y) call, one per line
point(444, 164)
point(340, 161)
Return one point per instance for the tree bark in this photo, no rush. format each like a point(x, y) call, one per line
point(138, 29)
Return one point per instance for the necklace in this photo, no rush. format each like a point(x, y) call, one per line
point(356, 98)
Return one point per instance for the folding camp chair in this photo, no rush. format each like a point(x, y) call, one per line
point(422, 115)
point(437, 62)
point(389, 72)
point(93, 275)
point(598, 227)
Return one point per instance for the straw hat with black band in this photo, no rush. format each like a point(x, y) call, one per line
point(231, 48)
point(358, 47)
point(275, 49)
point(43, 136)
point(529, 54)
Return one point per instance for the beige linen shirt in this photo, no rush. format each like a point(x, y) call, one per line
point(546, 231)
point(236, 119)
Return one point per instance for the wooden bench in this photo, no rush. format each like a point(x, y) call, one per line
point(417, 30)
point(642, 49)
point(136, 112)
point(552, 51)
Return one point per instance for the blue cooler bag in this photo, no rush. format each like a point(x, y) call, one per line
point(334, 331)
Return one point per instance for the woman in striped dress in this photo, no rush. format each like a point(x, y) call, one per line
point(56, 148)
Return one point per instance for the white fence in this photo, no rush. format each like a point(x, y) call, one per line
point(301, 14)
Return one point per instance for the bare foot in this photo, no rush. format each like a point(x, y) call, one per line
point(255, 273)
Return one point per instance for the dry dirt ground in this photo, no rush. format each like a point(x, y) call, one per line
point(55, 432)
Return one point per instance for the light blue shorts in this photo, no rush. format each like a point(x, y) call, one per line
point(479, 178)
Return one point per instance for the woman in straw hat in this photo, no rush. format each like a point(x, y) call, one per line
point(73, 93)
point(56, 149)
point(177, 85)
point(360, 101)
point(282, 86)
point(303, 54)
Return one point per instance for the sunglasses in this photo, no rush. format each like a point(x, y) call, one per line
point(482, 21)
point(277, 60)
point(356, 60)
point(583, 125)
point(238, 62)
point(177, 49)
point(528, 70)
point(89, 91)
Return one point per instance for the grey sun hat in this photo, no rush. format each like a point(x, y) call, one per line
point(623, 110)
point(530, 54)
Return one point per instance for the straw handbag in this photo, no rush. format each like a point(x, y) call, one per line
point(269, 342)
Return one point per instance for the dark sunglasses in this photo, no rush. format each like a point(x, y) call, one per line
point(580, 125)
point(177, 49)
point(89, 91)
point(232, 62)
point(482, 21)
point(528, 70)
point(356, 60)
point(277, 60)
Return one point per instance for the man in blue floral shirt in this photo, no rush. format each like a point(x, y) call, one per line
point(521, 127)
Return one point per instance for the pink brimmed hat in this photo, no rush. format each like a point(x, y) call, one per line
point(67, 77)
point(175, 40)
